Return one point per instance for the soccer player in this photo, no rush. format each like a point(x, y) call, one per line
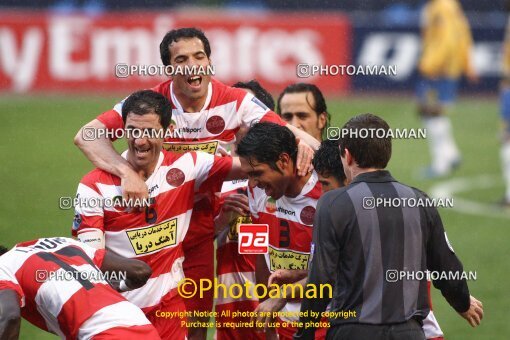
point(232, 267)
point(55, 284)
point(283, 200)
point(204, 110)
point(505, 112)
point(302, 105)
point(154, 234)
point(445, 58)
point(328, 166)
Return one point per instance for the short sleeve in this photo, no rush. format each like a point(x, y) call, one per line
point(87, 215)
point(8, 281)
point(211, 171)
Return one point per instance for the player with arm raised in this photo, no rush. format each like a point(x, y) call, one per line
point(56, 284)
point(204, 110)
point(155, 234)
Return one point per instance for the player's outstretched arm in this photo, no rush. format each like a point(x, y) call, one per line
point(101, 153)
point(10, 318)
point(137, 272)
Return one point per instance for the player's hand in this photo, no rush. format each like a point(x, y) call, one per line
point(234, 205)
point(134, 190)
point(283, 276)
point(264, 311)
point(237, 203)
point(304, 158)
point(475, 312)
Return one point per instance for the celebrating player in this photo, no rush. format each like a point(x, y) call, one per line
point(283, 200)
point(232, 267)
point(55, 284)
point(204, 110)
point(155, 234)
point(445, 58)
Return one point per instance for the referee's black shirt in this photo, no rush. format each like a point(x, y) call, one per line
point(355, 247)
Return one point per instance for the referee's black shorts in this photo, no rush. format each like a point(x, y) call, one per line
point(410, 330)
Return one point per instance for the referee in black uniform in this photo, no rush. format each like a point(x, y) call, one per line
point(375, 255)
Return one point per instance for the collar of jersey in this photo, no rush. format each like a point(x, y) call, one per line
point(178, 105)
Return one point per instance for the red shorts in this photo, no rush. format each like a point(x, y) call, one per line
point(129, 333)
point(169, 328)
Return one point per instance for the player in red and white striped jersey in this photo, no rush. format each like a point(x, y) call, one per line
point(153, 235)
point(283, 200)
point(56, 285)
point(204, 110)
point(232, 267)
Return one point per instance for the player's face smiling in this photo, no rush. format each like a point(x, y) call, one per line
point(297, 110)
point(143, 153)
point(188, 53)
point(261, 175)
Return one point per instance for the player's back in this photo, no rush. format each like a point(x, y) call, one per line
point(61, 289)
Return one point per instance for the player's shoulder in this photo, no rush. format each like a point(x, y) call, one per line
point(223, 93)
point(163, 88)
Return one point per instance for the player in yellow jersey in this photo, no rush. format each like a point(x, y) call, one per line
point(445, 58)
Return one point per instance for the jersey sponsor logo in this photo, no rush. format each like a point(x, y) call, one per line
point(286, 212)
point(209, 147)
point(287, 259)
point(233, 234)
point(215, 125)
point(271, 205)
point(150, 239)
point(154, 187)
point(175, 177)
point(307, 215)
point(259, 103)
point(253, 238)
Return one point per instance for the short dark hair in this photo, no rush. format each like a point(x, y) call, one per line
point(327, 160)
point(3, 250)
point(370, 152)
point(181, 33)
point(145, 102)
point(265, 142)
point(260, 92)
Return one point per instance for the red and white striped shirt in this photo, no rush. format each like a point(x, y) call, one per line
point(56, 302)
point(290, 223)
point(155, 235)
point(225, 110)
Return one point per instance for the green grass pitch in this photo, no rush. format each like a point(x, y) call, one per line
point(39, 163)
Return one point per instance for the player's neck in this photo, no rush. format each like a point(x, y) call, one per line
point(190, 104)
point(144, 171)
point(296, 185)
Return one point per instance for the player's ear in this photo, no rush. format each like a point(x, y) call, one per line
point(322, 119)
point(283, 161)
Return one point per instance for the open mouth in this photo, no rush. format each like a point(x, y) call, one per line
point(195, 81)
point(142, 152)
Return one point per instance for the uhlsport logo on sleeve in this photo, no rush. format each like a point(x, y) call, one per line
point(253, 238)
